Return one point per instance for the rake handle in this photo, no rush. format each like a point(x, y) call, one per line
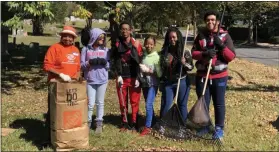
point(206, 79)
point(178, 84)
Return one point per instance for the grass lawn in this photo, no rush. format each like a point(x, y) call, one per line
point(252, 106)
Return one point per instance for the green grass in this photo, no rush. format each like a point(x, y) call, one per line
point(251, 105)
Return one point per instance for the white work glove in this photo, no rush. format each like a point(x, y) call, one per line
point(144, 68)
point(137, 84)
point(65, 77)
point(120, 81)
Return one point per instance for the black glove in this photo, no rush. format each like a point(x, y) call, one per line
point(102, 61)
point(209, 53)
point(218, 43)
point(93, 61)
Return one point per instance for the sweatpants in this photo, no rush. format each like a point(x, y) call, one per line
point(96, 94)
point(216, 89)
point(134, 95)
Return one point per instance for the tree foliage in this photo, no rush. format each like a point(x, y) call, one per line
point(82, 13)
point(39, 12)
point(122, 11)
point(60, 10)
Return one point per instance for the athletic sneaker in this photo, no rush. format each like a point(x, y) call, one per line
point(145, 131)
point(124, 127)
point(219, 133)
point(162, 130)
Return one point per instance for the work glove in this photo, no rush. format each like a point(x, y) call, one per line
point(65, 77)
point(93, 61)
point(120, 81)
point(102, 61)
point(137, 84)
point(218, 43)
point(210, 53)
point(144, 68)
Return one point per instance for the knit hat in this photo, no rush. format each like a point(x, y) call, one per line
point(69, 30)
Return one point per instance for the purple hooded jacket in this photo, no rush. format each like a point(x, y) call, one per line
point(95, 74)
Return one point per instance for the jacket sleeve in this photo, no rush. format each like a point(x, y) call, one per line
point(228, 52)
point(50, 60)
point(196, 49)
point(158, 67)
point(79, 65)
point(83, 59)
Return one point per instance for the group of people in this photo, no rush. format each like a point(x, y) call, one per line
point(146, 70)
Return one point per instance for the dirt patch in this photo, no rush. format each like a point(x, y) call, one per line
point(6, 131)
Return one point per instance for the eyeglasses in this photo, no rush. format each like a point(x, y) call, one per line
point(125, 29)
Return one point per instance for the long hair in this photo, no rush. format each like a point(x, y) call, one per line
point(179, 43)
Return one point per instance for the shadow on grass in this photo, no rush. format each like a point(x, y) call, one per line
point(115, 120)
point(14, 78)
point(36, 132)
point(275, 124)
point(255, 87)
point(21, 59)
point(44, 34)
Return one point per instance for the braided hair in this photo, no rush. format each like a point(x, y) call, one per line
point(179, 43)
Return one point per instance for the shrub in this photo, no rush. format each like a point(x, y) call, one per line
point(274, 40)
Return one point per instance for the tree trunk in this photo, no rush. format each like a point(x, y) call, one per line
point(250, 28)
point(256, 34)
point(142, 27)
point(37, 26)
point(89, 22)
point(195, 23)
point(159, 29)
point(4, 40)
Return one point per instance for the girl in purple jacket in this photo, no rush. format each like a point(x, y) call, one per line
point(95, 65)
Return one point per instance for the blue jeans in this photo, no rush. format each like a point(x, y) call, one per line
point(149, 96)
point(168, 94)
point(96, 93)
point(216, 89)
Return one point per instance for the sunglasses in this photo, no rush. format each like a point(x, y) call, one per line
point(102, 36)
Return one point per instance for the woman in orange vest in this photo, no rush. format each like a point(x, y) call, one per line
point(62, 61)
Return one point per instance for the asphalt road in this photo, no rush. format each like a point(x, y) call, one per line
point(267, 56)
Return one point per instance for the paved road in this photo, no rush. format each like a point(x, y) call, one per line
point(267, 56)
